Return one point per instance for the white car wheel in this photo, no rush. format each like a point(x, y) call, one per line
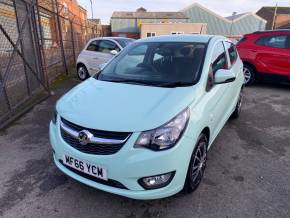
point(82, 72)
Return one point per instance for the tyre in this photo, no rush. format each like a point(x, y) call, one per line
point(82, 72)
point(249, 73)
point(197, 165)
point(237, 111)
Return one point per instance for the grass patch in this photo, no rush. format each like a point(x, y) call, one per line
point(64, 77)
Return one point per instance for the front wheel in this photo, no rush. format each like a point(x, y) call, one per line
point(82, 72)
point(197, 165)
point(249, 74)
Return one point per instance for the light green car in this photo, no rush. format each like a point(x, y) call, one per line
point(141, 128)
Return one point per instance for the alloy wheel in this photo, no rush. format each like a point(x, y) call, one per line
point(199, 162)
point(248, 75)
point(82, 73)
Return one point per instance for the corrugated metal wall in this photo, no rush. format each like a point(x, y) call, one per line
point(248, 24)
point(124, 25)
point(131, 25)
point(215, 25)
point(219, 26)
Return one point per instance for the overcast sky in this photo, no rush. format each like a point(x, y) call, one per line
point(103, 8)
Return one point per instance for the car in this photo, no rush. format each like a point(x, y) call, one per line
point(141, 128)
point(99, 51)
point(266, 56)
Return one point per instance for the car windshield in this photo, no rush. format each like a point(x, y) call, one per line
point(156, 64)
point(124, 42)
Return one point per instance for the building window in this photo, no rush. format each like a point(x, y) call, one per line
point(151, 34)
point(176, 33)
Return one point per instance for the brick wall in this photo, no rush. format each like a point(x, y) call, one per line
point(128, 35)
point(282, 20)
point(77, 13)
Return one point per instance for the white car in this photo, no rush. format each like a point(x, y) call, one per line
point(98, 51)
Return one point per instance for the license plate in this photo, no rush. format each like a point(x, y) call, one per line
point(85, 167)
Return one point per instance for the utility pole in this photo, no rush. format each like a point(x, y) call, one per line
point(274, 17)
point(92, 9)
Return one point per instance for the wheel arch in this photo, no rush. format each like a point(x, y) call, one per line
point(206, 131)
point(79, 64)
point(250, 64)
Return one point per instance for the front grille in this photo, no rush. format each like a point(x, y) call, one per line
point(97, 149)
point(110, 182)
point(98, 133)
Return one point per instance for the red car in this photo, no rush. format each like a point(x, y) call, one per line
point(266, 56)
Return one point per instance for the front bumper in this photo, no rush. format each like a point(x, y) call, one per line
point(130, 164)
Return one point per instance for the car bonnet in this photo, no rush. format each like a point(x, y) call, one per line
point(123, 107)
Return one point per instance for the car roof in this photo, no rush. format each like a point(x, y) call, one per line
point(110, 38)
point(180, 38)
point(272, 31)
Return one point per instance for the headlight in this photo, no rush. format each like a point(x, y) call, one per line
point(54, 117)
point(165, 136)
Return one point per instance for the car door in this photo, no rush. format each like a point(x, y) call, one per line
point(273, 54)
point(288, 58)
point(218, 96)
point(91, 55)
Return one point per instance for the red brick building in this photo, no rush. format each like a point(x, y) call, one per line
point(280, 21)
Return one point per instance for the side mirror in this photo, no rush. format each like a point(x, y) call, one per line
point(224, 76)
point(113, 52)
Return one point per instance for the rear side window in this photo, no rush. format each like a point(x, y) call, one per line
point(275, 41)
point(231, 48)
point(219, 60)
point(93, 46)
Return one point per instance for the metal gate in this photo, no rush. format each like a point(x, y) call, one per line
point(22, 76)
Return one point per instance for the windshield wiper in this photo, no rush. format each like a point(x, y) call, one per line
point(148, 83)
point(131, 81)
point(176, 84)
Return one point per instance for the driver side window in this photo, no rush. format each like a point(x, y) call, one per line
point(219, 61)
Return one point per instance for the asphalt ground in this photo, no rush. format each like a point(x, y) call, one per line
point(247, 175)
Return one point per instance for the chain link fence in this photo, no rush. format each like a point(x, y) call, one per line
point(64, 34)
point(39, 40)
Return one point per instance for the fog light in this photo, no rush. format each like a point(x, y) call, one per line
point(158, 181)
